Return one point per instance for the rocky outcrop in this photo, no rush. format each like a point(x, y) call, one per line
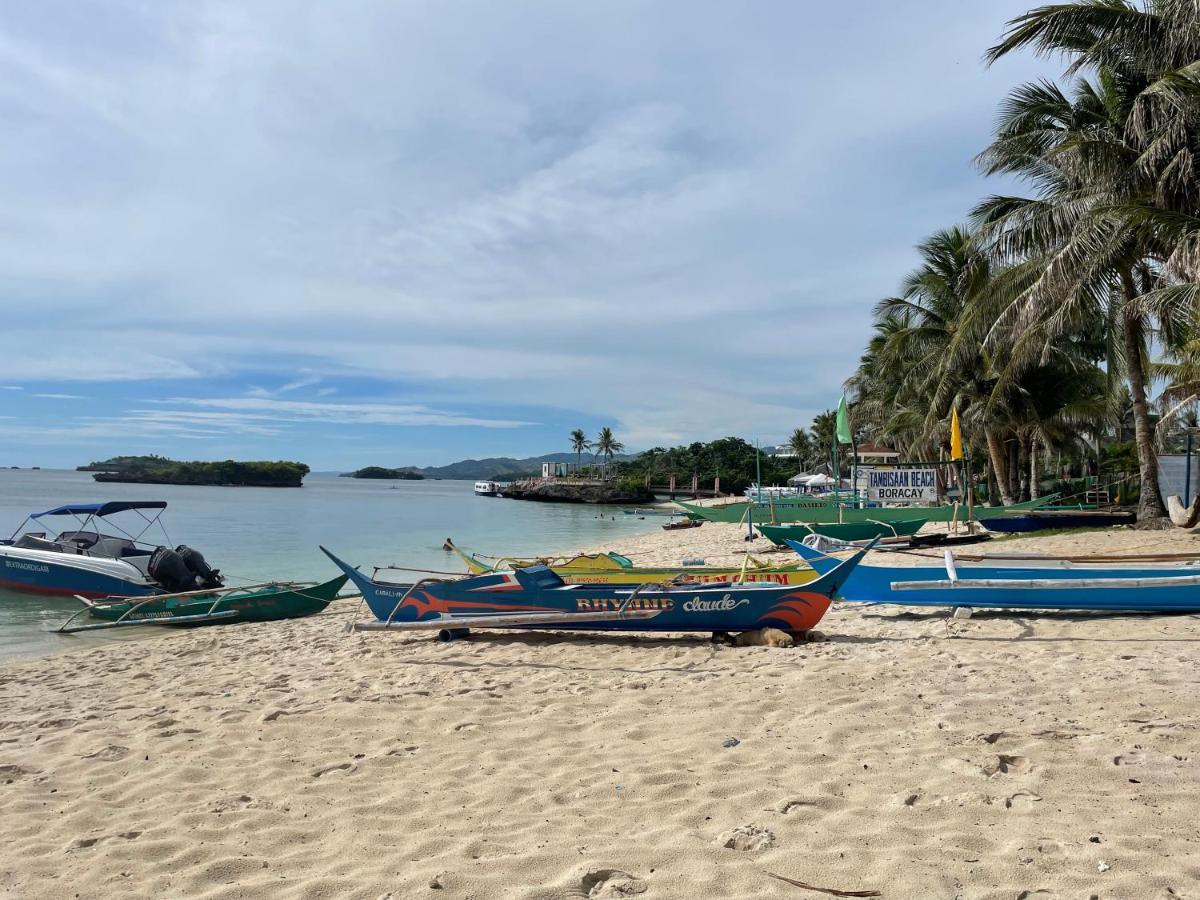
point(570, 492)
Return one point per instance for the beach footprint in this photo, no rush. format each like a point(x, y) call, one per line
point(611, 883)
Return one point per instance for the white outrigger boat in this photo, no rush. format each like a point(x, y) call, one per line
point(86, 561)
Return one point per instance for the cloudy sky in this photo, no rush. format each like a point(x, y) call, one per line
point(411, 232)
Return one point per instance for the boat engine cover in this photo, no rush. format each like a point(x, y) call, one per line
point(194, 560)
point(169, 569)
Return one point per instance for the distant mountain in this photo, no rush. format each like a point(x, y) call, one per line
point(502, 468)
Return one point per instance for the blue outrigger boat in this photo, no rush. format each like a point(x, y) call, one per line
point(536, 597)
point(1020, 584)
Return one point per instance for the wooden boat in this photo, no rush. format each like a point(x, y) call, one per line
point(1020, 584)
point(682, 524)
point(1041, 520)
point(259, 603)
point(841, 531)
point(810, 510)
point(612, 568)
point(537, 598)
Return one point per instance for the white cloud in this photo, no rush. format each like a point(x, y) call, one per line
point(682, 225)
point(60, 396)
point(266, 409)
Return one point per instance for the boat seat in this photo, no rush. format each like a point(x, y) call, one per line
point(37, 542)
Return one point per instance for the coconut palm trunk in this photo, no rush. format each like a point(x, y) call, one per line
point(1150, 505)
point(996, 455)
point(1034, 474)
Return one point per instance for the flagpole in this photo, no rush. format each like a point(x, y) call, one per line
point(837, 480)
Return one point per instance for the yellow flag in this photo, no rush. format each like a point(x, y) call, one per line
point(955, 436)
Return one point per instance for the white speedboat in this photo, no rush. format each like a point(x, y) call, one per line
point(487, 488)
point(88, 562)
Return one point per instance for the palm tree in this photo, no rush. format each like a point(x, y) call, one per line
point(1114, 211)
point(607, 445)
point(579, 443)
point(801, 444)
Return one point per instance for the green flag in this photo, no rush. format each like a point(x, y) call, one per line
point(843, 423)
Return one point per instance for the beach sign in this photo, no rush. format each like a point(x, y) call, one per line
point(898, 484)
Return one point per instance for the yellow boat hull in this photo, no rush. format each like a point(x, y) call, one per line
point(604, 568)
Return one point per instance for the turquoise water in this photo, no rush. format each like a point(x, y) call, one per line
point(255, 534)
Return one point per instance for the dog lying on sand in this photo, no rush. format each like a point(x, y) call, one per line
point(760, 637)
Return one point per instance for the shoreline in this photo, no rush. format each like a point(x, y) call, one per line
point(908, 752)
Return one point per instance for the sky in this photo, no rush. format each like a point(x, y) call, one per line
point(406, 233)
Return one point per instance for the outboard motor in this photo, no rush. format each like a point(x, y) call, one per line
point(169, 569)
point(194, 560)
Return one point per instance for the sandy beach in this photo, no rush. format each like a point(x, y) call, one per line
point(1004, 756)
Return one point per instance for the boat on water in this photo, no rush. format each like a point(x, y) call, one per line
point(613, 568)
point(813, 510)
point(256, 603)
point(487, 488)
point(88, 559)
point(1044, 519)
point(538, 598)
point(841, 531)
point(1021, 583)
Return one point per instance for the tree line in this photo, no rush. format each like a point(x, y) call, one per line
point(1040, 318)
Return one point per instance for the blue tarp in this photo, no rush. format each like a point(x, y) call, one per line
point(101, 509)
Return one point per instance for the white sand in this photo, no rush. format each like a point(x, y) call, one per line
point(1000, 756)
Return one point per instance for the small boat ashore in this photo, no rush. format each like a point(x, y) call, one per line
point(613, 568)
point(814, 510)
point(841, 531)
point(1044, 519)
point(487, 488)
point(256, 603)
point(538, 598)
point(89, 560)
point(1020, 584)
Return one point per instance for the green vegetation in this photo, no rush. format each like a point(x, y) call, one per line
point(731, 458)
point(381, 473)
point(1037, 321)
point(579, 443)
point(607, 445)
point(160, 470)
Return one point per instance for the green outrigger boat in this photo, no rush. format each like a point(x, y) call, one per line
point(841, 531)
point(812, 511)
point(257, 603)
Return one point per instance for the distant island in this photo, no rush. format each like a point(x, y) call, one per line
point(384, 474)
point(226, 473)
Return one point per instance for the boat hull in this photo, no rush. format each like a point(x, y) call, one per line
point(812, 512)
point(842, 531)
point(602, 568)
point(538, 592)
point(64, 574)
point(262, 605)
point(1038, 520)
point(1074, 585)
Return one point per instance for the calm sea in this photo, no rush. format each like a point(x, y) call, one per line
point(262, 533)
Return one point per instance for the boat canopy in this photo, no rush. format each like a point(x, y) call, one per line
point(101, 509)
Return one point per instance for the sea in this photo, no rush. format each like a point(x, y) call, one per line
point(258, 534)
